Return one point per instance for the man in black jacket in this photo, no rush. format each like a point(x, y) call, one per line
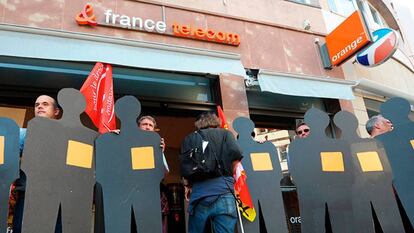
point(212, 197)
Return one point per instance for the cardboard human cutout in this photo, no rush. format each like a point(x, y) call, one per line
point(58, 163)
point(319, 167)
point(373, 180)
point(399, 144)
point(129, 168)
point(262, 168)
point(9, 165)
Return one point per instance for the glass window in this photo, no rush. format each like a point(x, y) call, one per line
point(373, 108)
point(307, 2)
point(342, 7)
point(373, 17)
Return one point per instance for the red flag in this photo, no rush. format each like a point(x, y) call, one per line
point(242, 191)
point(222, 117)
point(240, 186)
point(99, 94)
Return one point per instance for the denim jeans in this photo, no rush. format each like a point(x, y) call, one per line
point(222, 212)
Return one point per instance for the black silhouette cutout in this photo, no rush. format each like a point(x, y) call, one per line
point(58, 163)
point(9, 165)
point(399, 144)
point(262, 168)
point(129, 167)
point(373, 180)
point(319, 167)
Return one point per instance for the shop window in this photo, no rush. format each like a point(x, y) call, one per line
point(38, 76)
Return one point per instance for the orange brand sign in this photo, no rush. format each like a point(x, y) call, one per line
point(203, 34)
point(86, 17)
point(347, 39)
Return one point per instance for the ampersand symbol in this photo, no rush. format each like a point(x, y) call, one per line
point(86, 16)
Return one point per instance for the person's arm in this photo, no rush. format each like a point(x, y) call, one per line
point(162, 144)
point(187, 189)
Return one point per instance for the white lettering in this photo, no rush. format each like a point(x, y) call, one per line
point(295, 220)
point(160, 26)
point(134, 22)
point(107, 15)
point(125, 21)
point(349, 48)
point(114, 16)
point(149, 25)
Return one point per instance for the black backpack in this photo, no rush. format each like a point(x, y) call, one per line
point(196, 165)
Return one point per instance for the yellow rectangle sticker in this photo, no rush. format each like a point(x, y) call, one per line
point(261, 162)
point(370, 161)
point(332, 162)
point(79, 154)
point(142, 158)
point(1, 150)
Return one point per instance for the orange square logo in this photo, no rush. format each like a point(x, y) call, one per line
point(347, 39)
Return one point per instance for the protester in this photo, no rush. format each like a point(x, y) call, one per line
point(45, 106)
point(148, 123)
point(378, 125)
point(212, 197)
point(302, 130)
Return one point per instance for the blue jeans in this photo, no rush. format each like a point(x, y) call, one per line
point(222, 212)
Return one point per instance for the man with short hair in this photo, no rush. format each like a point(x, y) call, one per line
point(302, 130)
point(148, 123)
point(45, 106)
point(378, 125)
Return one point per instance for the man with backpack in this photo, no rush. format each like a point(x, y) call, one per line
point(208, 156)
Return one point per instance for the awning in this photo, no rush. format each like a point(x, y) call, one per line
point(382, 90)
point(19, 41)
point(306, 86)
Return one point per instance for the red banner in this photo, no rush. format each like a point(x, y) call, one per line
point(222, 117)
point(240, 186)
point(99, 94)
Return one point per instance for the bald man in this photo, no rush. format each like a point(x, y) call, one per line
point(45, 106)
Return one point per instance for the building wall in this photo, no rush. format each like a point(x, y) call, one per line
point(271, 34)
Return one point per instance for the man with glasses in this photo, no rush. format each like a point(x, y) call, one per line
point(302, 130)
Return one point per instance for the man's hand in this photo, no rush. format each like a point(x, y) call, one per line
point(116, 131)
point(187, 192)
point(162, 144)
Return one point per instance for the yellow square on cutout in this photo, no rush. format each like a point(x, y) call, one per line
point(142, 158)
point(412, 143)
point(261, 162)
point(370, 161)
point(1, 150)
point(332, 162)
point(79, 154)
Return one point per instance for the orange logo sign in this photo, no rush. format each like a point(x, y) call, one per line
point(86, 17)
point(347, 39)
point(209, 34)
